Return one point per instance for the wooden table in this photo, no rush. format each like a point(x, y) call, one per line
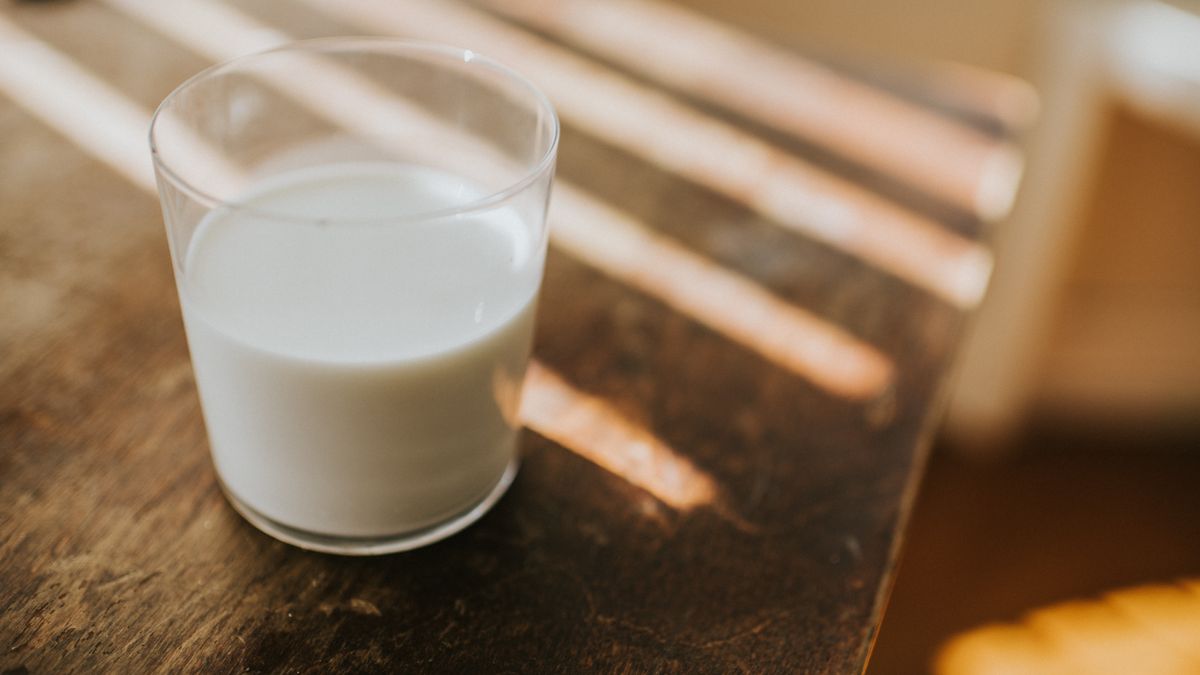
point(727, 428)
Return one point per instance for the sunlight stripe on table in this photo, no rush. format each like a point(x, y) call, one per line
point(700, 148)
point(582, 226)
point(596, 431)
point(220, 33)
point(581, 423)
point(998, 98)
point(705, 58)
point(51, 86)
point(736, 307)
point(76, 104)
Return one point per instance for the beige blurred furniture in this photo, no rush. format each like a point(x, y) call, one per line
point(1111, 348)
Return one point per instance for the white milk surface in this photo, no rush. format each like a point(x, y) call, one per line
point(360, 379)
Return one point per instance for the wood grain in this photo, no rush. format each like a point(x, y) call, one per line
point(118, 552)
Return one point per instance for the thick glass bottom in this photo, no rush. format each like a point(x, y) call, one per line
point(359, 546)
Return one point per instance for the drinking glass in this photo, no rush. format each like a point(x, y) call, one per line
point(358, 230)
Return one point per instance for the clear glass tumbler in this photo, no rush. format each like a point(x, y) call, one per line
point(358, 233)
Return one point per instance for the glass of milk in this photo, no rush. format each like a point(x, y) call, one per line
point(358, 231)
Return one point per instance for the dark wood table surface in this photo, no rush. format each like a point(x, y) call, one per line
point(727, 423)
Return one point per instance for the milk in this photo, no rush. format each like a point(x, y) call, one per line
point(360, 379)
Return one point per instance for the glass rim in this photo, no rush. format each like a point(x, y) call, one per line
point(364, 43)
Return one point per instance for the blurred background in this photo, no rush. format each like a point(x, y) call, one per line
point(1058, 529)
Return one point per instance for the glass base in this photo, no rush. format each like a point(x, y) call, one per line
point(362, 546)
